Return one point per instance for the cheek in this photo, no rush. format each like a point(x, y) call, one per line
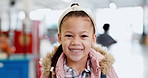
point(87, 43)
point(92, 39)
point(65, 44)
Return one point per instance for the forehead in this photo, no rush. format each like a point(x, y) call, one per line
point(77, 17)
point(77, 24)
point(78, 21)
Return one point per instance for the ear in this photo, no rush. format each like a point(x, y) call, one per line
point(59, 38)
point(94, 39)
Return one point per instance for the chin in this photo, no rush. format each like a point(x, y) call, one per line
point(75, 59)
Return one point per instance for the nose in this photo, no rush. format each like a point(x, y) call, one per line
point(76, 41)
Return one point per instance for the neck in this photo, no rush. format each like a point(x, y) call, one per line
point(106, 32)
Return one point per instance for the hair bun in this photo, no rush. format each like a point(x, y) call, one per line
point(74, 4)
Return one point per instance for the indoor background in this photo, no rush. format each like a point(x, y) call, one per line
point(31, 26)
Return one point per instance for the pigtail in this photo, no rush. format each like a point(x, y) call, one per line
point(55, 59)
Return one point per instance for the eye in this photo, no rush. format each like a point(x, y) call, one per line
point(84, 36)
point(68, 36)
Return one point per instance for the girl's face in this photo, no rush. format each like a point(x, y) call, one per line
point(77, 38)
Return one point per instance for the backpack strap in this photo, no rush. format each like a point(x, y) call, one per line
point(103, 75)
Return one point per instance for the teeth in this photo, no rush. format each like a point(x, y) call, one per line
point(76, 50)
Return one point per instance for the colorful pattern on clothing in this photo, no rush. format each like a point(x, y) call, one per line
point(72, 73)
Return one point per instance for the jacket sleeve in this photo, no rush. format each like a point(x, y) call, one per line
point(112, 73)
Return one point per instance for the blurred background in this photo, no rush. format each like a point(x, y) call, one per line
point(28, 30)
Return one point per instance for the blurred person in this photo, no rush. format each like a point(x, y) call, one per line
point(105, 39)
point(77, 55)
point(5, 44)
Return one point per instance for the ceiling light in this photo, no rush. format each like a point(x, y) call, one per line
point(112, 5)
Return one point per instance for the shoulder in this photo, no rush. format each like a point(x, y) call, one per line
point(108, 59)
point(45, 62)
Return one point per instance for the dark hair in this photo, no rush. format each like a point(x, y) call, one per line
point(106, 27)
point(76, 14)
point(74, 4)
point(55, 59)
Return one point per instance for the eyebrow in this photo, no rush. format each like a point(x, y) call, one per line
point(68, 32)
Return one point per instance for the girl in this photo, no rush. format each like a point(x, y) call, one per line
point(77, 56)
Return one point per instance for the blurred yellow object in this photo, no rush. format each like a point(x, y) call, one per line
point(5, 45)
point(6, 48)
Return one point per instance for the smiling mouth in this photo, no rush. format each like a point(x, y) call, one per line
point(76, 50)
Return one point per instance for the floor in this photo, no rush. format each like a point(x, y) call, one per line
point(131, 59)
